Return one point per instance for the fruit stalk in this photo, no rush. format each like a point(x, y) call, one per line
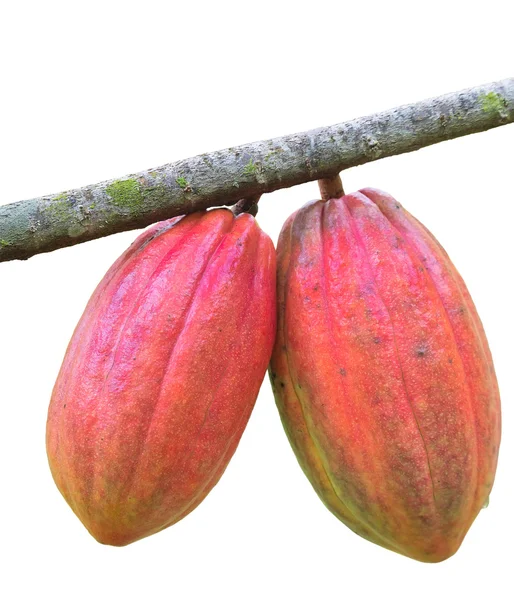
point(331, 187)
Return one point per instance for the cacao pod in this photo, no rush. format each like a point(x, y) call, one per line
point(383, 376)
point(162, 373)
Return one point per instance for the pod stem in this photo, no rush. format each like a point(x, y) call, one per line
point(247, 205)
point(331, 187)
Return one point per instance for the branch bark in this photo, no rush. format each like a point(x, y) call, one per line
point(224, 177)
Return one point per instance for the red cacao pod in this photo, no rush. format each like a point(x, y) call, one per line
point(383, 376)
point(162, 373)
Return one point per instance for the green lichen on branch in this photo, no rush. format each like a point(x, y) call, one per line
point(183, 184)
point(4, 243)
point(59, 208)
point(126, 193)
point(250, 168)
point(492, 102)
point(273, 153)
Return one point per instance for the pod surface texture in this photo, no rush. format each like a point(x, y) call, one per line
point(383, 376)
point(161, 374)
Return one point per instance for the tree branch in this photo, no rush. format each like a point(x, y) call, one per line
point(224, 177)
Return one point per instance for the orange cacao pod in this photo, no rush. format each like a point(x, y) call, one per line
point(383, 376)
point(162, 373)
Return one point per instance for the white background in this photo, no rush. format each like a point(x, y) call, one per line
point(94, 90)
